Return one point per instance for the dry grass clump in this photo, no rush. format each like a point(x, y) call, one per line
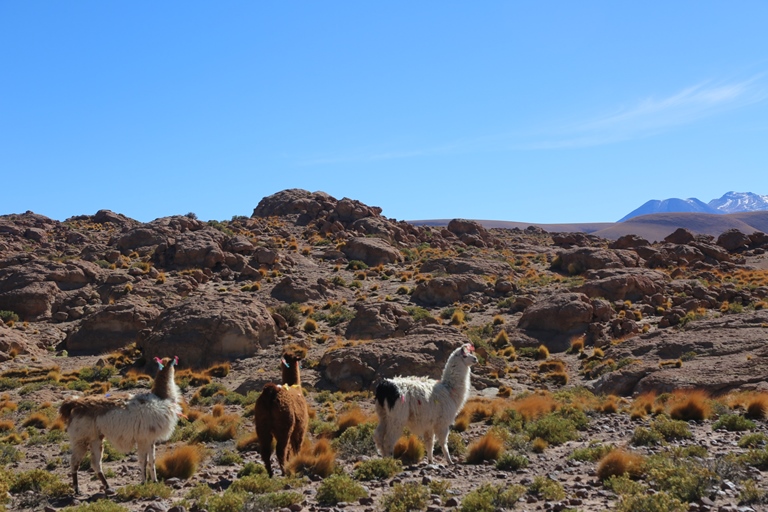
point(6, 425)
point(610, 405)
point(535, 406)
point(501, 340)
point(620, 462)
point(181, 462)
point(248, 442)
point(409, 450)
point(542, 352)
point(37, 420)
point(577, 345)
point(313, 460)
point(643, 405)
point(689, 405)
point(218, 370)
point(218, 428)
point(351, 418)
point(757, 406)
point(555, 365)
point(488, 447)
point(479, 409)
point(192, 377)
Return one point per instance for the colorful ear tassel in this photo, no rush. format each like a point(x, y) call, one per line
point(175, 361)
point(282, 360)
point(159, 363)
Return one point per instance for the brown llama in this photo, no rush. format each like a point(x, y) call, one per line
point(126, 421)
point(281, 412)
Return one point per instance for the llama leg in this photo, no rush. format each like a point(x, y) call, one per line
point(442, 438)
point(151, 463)
point(97, 452)
point(79, 450)
point(264, 433)
point(297, 438)
point(429, 441)
point(282, 448)
point(378, 436)
point(143, 454)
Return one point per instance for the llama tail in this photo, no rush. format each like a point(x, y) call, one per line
point(65, 411)
point(269, 393)
point(387, 391)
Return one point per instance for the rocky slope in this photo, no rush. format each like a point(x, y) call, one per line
point(370, 298)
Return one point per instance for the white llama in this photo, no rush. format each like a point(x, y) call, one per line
point(126, 421)
point(427, 407)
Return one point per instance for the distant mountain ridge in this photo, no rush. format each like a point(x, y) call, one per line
point(731, 202)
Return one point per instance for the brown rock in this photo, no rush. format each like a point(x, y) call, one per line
point(377, 321)
point(371, 251)
point(205, 329)
point(110, 328)
point(442, 291)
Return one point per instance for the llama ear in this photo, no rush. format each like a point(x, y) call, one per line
point(159, 363)
point(175, 361)
point(282, 360)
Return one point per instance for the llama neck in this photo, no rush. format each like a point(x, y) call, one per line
point(164, 386)
point(455, 374)
point(291, 374)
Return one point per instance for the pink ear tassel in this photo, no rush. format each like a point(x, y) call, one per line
point(175, 360)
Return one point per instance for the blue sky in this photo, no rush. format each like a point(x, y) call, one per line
point(541, 112)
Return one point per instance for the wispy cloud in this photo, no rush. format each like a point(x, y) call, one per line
point(645, 118)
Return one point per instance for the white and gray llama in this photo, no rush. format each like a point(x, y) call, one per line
point(126, 421)
point(427, 407)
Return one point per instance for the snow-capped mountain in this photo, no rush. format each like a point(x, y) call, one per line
point(731, 202)
point(670, 205)
point(734, 202)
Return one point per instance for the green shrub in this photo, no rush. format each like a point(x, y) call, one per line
point(97, 373)
point(273, 501)
point(8, 316)
point(646, 437)
point(659, 502)
point(355, 441)
point(9, 454)
point(546, 488)
point(259, 484)
point(290, 312)
point(378, 468)
point(489, 498)
point(338, 488)
point(511, 461)
point(41, 482)
point(671, 430)
point(406, 497)
point(753, 440)
point(102, 505)
point(552, 428)
point(418, 313)
point(734, 423)
point(228, 458)
point(143, 491)
point(682, 478)
point(251, 468)
point(756, 458)
point(591, 453)
point(623, 485)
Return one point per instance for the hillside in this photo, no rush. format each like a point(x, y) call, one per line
point(591, 350)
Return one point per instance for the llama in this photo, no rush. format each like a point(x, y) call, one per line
point(281, 413)
point(426, 406)
point(126, 421)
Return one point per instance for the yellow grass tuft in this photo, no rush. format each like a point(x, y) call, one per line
point(488, 447)
point(690, 405)
point(410, 450)
point(313, 460)
point(620, 462)
point(181, 462)
point(351, 418)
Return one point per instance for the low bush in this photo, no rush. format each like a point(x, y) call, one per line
point(405, 497)
point(490, 497)
point(338, 488)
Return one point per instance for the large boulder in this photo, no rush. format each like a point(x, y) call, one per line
point(110, 328)
point(202, 330)
point(421, 354)
point(31, 302)
point(560, 313)
point(718, 355)
point(576, 261)
point(483, 267)
point(298, 289)
point(623, 284)
point(443, 291)
point(733, 240)
point(371, 251)
point(377, 321)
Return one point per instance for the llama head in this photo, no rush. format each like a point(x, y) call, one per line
point(166, 365)
point(468, 356)
point(292, 355)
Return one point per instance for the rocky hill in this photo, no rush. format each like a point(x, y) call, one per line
point(602, 333)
